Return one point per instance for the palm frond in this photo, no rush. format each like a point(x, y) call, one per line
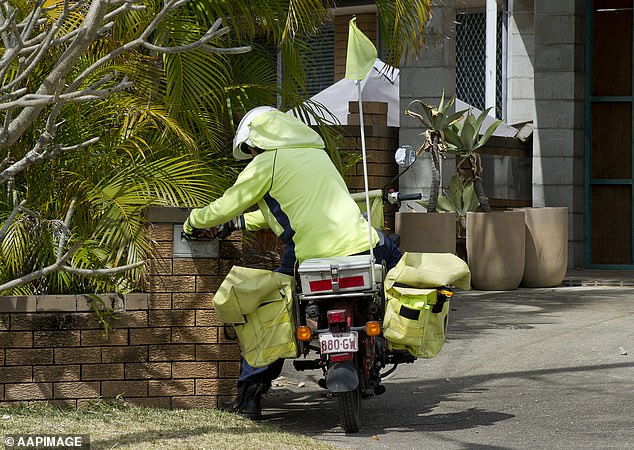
point(402, 27)
point(304, 17)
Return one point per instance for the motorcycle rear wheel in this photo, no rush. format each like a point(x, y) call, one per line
point(349, 405)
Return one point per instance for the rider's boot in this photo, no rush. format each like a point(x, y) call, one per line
point(251, 406)
point(234, 406)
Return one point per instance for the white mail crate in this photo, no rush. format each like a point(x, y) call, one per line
point(337, 274)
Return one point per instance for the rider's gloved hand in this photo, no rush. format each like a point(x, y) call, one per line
point(221, 231)
point(187, 228)
point(226, 229)
point(192, 233)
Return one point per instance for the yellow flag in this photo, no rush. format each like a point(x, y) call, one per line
point(361, 53)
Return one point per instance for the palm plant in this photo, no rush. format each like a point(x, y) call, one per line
point(278, 32)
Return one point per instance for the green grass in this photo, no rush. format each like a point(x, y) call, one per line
point(127, 427)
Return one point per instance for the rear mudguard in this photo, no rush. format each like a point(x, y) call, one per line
point(342, 377)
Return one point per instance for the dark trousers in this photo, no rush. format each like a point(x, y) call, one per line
point(385, 251)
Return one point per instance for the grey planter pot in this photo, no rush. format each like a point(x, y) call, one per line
point(495, 249)
point(426, 232)
point(546, 246)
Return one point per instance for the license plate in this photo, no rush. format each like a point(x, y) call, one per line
point(339, 342)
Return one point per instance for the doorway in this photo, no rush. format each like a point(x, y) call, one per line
point(608, 134)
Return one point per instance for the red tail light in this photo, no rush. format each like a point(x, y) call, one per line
point(337, 316)
point(340, 357)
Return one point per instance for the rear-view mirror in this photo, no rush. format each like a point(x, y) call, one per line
point(405, 156)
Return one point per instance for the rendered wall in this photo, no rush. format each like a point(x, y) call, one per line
point(558, 151)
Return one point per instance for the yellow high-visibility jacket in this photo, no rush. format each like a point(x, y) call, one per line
point(300, 194)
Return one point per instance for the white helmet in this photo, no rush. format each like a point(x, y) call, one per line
point(242, 133)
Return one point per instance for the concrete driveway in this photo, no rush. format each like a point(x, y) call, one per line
point(529, 368)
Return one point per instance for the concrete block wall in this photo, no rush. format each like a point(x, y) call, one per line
point(558, 152)
point(425, 79)
point(507, 165)
point(520, 102)
point(166, 349)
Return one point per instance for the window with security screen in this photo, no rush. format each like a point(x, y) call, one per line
point(326, 51)
point(470, 59)
point(320, 68)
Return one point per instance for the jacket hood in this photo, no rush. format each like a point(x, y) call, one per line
point(276, 130)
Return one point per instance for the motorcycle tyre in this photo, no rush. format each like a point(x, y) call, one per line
point(349, 406)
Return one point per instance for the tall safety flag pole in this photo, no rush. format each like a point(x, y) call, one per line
point(360, 59)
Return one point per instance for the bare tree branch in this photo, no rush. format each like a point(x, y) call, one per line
point(214, 32)
point(57, 265)
point(10, 219)
point(66, 228)
point(58, 73)
point(88, 143)
point(12, 95)
point(61, 257)
point(228, 51)
point(35, 58)
point(6, 161)
point(7, 24)
point(97, 272)
point(80, 96)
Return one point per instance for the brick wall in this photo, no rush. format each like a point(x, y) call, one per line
point(167, 348)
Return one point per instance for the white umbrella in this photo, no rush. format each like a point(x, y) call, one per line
point(381, 84)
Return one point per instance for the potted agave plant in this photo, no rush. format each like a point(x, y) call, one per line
point(464, 140)
point(436, 120)
point(495, 241)
point(494, 246)
point(459, 199)
point(429, 231)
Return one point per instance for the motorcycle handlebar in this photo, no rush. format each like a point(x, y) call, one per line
point(395, 198)
point(387, 196)
point(403, 197)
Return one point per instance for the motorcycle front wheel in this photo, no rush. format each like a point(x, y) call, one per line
point(349, 405)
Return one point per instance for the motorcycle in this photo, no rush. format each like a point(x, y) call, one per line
point(341, 305)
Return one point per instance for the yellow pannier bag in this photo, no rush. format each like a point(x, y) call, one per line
point(259, 304)
point(413, 323)
point(429, 270)
point(415, 319)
